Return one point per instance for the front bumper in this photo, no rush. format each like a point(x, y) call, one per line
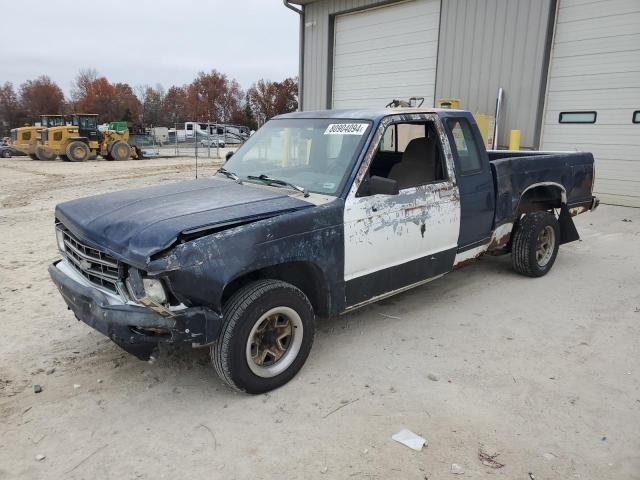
point(134, 328)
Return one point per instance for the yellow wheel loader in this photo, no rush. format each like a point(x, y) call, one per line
point(25, 139)
point(82, 140)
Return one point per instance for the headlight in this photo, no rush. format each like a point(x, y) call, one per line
point(60, 240)
point(154, 290)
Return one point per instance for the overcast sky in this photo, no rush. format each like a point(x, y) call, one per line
point(147, 41)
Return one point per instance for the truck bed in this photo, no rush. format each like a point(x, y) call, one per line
point(514, 172)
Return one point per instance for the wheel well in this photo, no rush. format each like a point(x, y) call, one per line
point(304, 275)
point(542, 197)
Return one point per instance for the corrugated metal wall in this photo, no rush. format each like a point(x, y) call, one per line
point(484, 45)
point(487, 44)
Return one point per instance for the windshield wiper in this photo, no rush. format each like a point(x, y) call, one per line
point(278, 182)
point(230, 175)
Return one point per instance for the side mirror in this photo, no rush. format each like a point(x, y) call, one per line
point(379, 186)
point(228, 156)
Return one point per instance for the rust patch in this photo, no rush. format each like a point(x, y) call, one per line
point(501, 236)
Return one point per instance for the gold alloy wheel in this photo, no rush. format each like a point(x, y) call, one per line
point(274, 342)
point(545, 245)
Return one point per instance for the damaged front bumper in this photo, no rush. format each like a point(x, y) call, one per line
point(135, 328)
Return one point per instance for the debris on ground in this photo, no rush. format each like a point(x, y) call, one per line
point(40, 457)
point(532, 476)
point(627, 220)
point(51, 370)
point(488, 457)
point(76, 386)
point(548, 456)
point(37, 389)
point(409, 439)
point(434, 377)
point(457, 469)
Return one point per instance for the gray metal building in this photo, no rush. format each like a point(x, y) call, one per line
point(570, 69)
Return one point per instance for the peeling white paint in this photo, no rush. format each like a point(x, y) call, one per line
point(382, 231)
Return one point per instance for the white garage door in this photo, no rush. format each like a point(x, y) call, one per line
point(595, 67)
point(386, 53)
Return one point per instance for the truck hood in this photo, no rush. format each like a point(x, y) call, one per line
point(133, 225)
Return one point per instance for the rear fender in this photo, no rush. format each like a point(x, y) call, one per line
point(545, 196)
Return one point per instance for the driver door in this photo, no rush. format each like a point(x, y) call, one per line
point(393, 242)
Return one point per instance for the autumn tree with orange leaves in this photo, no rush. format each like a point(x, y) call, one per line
point(210, 97)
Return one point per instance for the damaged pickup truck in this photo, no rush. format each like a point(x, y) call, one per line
point(317, 214)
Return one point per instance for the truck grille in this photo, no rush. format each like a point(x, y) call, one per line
point(97, 267)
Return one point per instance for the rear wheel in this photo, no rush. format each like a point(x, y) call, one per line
point(5, 153)
point(78, 151)
point(120, 151)
point(535, 244)
point(44, 155)
point(267, 334)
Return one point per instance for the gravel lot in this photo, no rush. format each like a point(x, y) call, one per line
point(543, 371)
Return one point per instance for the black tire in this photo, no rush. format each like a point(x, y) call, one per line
point(33, 156)
point(528, 253)
point(77, 151)
point(44, 155)
point(6, 153)
point(64, 158)
point(120, 151)
point(242, 313)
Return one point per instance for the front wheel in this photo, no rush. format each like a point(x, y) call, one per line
point(267, 334)
point(535, 244)
point(120, 151)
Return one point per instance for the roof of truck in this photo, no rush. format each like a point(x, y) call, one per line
point(358, 114)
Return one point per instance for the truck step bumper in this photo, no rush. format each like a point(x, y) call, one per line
point(135, 329)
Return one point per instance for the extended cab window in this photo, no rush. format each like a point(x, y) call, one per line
point(465, 146)
point(410, 154)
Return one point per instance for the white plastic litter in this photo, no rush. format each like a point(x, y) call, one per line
point(410, 439)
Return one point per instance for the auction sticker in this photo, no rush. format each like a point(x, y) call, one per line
point(346, 129)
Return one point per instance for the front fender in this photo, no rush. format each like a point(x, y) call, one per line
point(199, 270)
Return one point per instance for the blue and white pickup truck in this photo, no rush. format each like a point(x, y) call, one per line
point(317, 214)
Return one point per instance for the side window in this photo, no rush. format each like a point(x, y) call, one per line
point(636, 117)
point(465, 145)
point(410, 154)
point(577, 117)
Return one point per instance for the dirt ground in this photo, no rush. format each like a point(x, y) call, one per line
point(543, 371)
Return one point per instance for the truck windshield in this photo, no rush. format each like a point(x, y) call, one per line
point(315, 154)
